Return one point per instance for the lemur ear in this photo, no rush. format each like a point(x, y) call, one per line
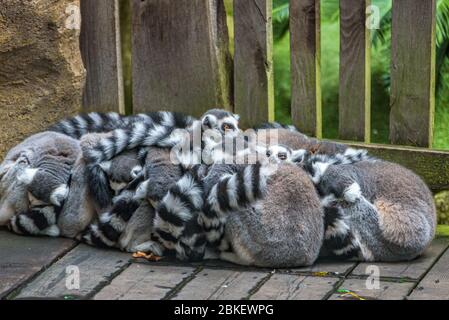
point(27, 176)
point(106, 166)
point(299, 155)
point(236, 116)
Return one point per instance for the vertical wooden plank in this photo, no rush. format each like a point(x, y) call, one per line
point(181, 59)
point(306, 66)
point(253, 61)
point(413, 72)
point(101, 53)
point(355, 74)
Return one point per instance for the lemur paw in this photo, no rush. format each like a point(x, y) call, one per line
point(353, 193)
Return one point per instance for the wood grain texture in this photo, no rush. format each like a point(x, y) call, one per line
point(306, 66)
point(22, 257)
point(355, 75)
point(212, 284)
point(435, 285)
point(144, 282)
point(101, 52)
point(409, 269)
point(253, 62)
point(293, 287)
point(96, 268)
point(431, 165)
point(386, 290)
point(413, 72)
point(337, 268)
point(180, 55)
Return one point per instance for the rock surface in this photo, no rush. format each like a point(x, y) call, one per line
point(41, 71)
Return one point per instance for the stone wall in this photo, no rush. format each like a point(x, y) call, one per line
point(41, 71)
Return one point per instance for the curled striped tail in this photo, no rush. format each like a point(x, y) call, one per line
point(38, 221)
point(106, 233)
point(233, 192)
point(92, 122)
point(176, 221)
point(157, 130)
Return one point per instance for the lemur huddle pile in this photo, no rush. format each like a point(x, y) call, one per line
point(111, 181)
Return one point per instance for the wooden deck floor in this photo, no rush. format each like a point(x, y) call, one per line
point(44, 268)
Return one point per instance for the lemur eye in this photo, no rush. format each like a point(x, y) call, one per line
point(282, 156)
point(227, 126)
point(268, 153)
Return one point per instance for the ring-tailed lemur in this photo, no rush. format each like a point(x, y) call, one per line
point(359, 194)
point(374, 210)
point(34, 178)
point(47, 184)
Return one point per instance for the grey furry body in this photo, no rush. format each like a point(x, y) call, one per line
point(392, 216)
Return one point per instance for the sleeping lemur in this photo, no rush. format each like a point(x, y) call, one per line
point(375, 210)
point(34, 182)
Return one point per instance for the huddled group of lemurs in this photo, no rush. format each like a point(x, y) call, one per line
point(112, 181)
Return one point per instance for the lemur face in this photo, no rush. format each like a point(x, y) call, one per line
point(281, 153)
point(225, 122)
point(278, 153)
point(13, 193)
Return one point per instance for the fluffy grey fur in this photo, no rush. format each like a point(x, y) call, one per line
point(40, 163)
point(385, 212)
point(374, 210)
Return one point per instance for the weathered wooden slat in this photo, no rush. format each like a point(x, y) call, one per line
point(305, 66)
point(101, 53)
point(212, 284)
point(253, 62)
point(355, 75)
point(22, 257)
point(386, 291)
point(180, 55)
point(410, 269)
point(413, 72)
point(336, 268)
point(96, 267)
point(435, 285)
point(293, 287)
point(431, 165)
point(144, 282)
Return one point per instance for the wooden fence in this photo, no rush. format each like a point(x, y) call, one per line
point(181, 61)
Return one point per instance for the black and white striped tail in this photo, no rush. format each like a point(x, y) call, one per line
point(106, 233)
point(176, 221)
point(93, 122)
point(38, 221)
point(156, 130)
